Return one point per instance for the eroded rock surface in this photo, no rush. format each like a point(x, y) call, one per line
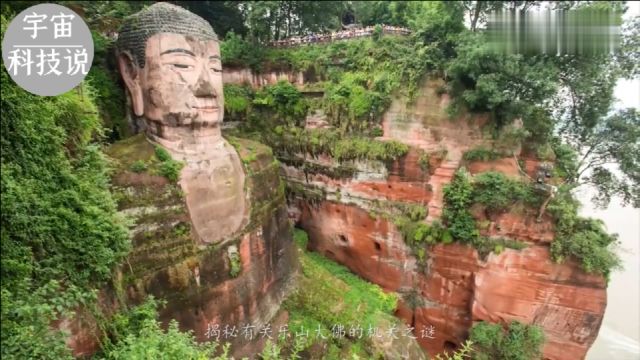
point(453, 286)
point(198, 280)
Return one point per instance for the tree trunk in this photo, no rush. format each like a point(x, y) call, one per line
point(543, 207)
point(476, 15)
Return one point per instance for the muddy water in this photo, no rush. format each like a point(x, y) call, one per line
point(619, 336)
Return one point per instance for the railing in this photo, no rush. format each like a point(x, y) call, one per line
point(339, 35)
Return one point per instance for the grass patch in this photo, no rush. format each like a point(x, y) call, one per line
point(329, 294)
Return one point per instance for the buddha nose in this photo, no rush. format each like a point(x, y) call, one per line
point(204, 85)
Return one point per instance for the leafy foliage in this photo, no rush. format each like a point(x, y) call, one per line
point(361, 70)
point(464, 352)
point(238, 52)
point(224, 16)
point(280, 19)
point(329, 294)
point(571, 96)
point(154, 343)
point(291, 141)
point(110, 96)
point(283, 99)
point(497, 192)
point(60, 229)
point(237, 102)
point(518, 342)
point(481, 154)
point(584, 239)
point(458, 197)
point(168, 167)
point(505, 85)
point(136, 334)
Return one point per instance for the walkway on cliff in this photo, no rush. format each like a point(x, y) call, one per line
point(339, 35)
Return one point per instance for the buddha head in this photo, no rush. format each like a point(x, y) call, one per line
point(169, 59)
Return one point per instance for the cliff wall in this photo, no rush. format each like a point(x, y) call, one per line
point(449, 287)
point(244, 76)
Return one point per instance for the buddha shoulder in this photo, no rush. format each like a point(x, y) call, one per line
point(141, 168)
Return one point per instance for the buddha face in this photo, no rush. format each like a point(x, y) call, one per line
point(180, 85)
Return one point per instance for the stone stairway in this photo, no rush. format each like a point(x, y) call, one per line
point(442, 176)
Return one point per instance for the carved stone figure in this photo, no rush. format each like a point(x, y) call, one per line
point(169, 59)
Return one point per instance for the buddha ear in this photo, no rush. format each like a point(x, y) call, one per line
point(131, 76)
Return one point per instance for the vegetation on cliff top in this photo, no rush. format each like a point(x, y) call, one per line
point(584, 239)
point(518, 342)
point(276, 119)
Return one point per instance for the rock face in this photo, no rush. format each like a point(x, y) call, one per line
point(239, 281)
point(563, 300)
point(456, 287)
point(452, 287)
point(243, 76)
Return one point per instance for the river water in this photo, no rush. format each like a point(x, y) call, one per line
point(619, 336)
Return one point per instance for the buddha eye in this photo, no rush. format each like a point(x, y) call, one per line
point(181, 66)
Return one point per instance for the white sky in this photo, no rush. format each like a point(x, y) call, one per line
point(628, 91)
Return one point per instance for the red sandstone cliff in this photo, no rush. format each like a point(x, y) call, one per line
point(454, 287)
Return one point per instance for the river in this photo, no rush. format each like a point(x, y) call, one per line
point(619, 336)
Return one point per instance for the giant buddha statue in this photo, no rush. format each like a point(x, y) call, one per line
point(213, 240)
point(169, 59)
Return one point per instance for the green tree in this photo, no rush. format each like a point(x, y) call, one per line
point(274, 20)
point(601, 140)
point(458, 196)
point(224, 16)
point(505, 85)
point(395, 13)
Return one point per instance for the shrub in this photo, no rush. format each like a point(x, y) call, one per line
point(162, 154)
point(109, 94)
point(236, 265)
point(236, 51)
point(153, 343)
point(481, 154)
point(301, 238)
point(421, 233)
point(139, 166)
point(497, 192)
point(377, 132)
point(485, 245)
point(457, 200)
point(517, 342)
point(284, 101)
point(237, 101)
point(171, 170)
point(168, 168)
point(583, 238)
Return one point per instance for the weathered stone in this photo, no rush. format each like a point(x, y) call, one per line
point(453, 286)
point(216, 245)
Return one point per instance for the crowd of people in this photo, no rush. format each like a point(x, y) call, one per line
point(339, 35)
